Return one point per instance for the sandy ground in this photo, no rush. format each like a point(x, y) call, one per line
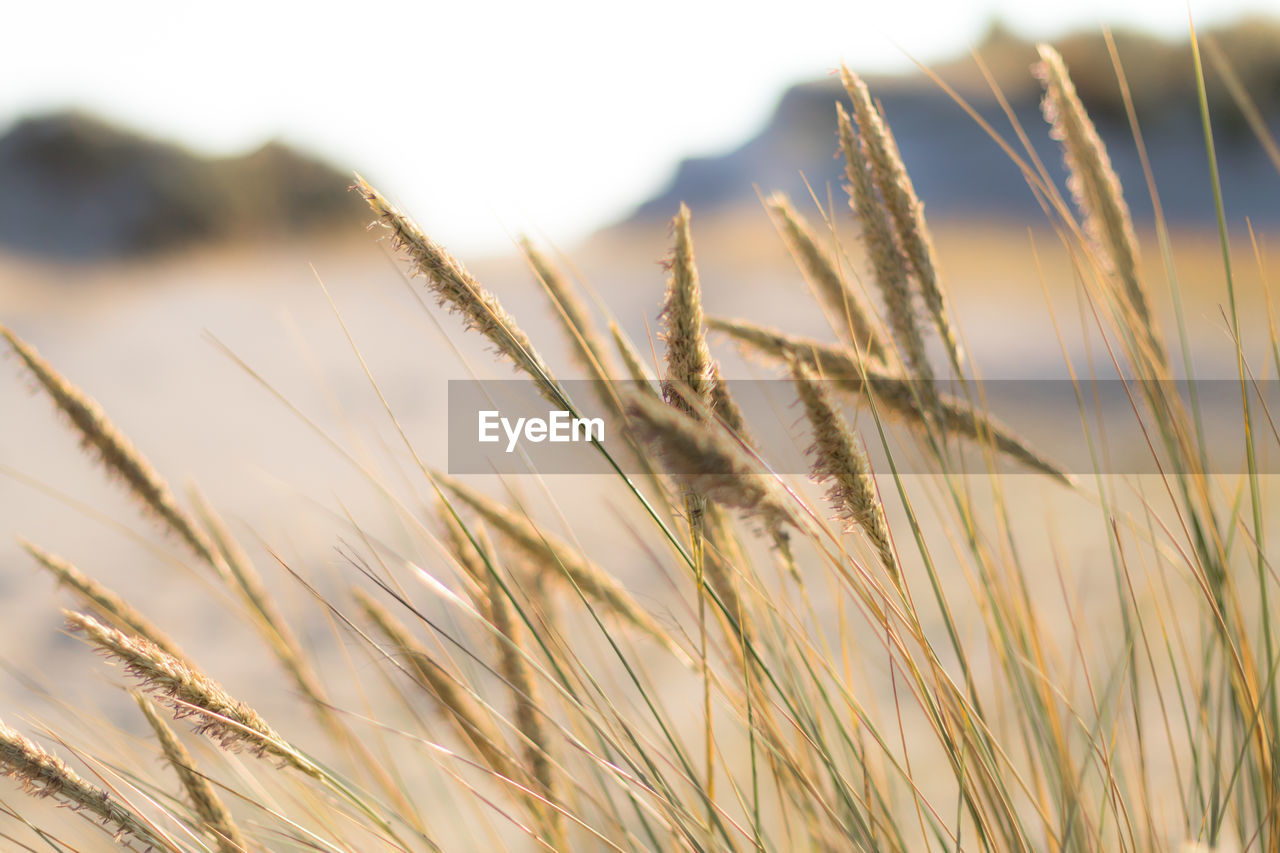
point(139, 339)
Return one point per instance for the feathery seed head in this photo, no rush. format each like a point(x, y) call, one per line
point(840, 461)
point(688, 359)
point(42, 774)
point(702, 458)
point(854, 319)
point(188, 692)
point(725, 408)
point(1097, 193)
point(204, 798)
point(104, 600)
point(466, 715)
point(631, 359)
point(456, 289)
point(887, 259)
point(116, 453)
point(270, 621)
point(905, 208)
point(461, 549)
point(589, 348)
point(895, 394)
point(519, 676)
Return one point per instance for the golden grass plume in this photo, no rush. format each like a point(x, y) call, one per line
point(905, 209)
point(703, 458)
point(214, 817)
point(116, 453)
point(458, 290)
point(854, 319)
point(1096, 190)
point(898, 396)
point(188, 692)
point(43, 774)
point(106, 601)
point(885, 255)
point(840, 460)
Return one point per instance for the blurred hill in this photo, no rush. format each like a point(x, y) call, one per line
point(960, 172)
point(79, 188)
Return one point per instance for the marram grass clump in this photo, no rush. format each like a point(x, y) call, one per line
point(500, 679)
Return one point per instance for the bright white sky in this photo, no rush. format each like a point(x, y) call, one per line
point(484, 118)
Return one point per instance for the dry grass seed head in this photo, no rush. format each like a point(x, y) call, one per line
point(631, 359)
point(1097, 193)
point(457, 290)
point(854, 318)
point(42, 774)
point(688, 359)
point(107, 602)
point(116, 453)
point(840, 461)
point(894, 394)
point(269, 620)
point(474, 572)
point(213, 814)
point(188, 692)
point(515, 669)
point(588, 346)
point(725, 559)
point(886, 256)
point(725, 408)
point(905, 208)
point(701, 457)
point(460, 709)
